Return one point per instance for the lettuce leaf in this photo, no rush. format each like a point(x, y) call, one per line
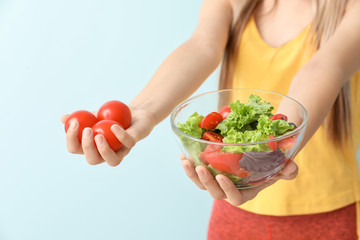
point(270, 127)
point(243, 115)
point(191, 126)
point(246, 137)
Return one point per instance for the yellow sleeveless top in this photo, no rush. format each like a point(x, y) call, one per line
point(328, 177)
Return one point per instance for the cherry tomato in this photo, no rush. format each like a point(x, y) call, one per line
point(287, 144)
point(225, 111)
point(116, 111)
point(103, 128)
point(225, 162)
point(85, 119)
point(212, 136)
point(279, 116)
point(273, 144)
point(211, 120)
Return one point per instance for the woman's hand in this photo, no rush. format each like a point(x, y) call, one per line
point(222, 187)
point(99, 151)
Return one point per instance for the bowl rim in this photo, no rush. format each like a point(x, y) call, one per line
point(287, 135)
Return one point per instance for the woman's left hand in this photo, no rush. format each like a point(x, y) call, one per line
point(222, 187)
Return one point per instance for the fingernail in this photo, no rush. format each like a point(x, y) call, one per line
point(115, 128)
point(99, 140)
point(185, 166)
point(73, 124)
point(220, 181)
point(87, 132)
point(201, 173)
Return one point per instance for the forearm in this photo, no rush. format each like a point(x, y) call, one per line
point(183, 71)
point(316, 88)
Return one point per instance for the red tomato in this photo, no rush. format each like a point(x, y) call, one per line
point(242, 173)
point(85, 119)
point(212, 136)
point(225, 111)
point(225, 162)
point(103, 128)
point(211, 120)
point(116, 111)
point(273, 144)
point(287, 144)
point(279, 116)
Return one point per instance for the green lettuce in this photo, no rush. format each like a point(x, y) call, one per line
point(270, 127)
point(243, 116)
point(191, 126)
point(246, 137)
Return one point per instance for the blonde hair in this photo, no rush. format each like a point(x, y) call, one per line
point(328, 15)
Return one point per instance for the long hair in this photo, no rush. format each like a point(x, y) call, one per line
point(329, 14)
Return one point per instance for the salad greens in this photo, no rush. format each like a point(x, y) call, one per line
point(243, 123)
point(247, 123)
point(191, 126)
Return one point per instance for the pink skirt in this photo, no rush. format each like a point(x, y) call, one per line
point(229, 222)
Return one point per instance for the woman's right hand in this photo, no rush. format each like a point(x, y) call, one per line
point(99, 151)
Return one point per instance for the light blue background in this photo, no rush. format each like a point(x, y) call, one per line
point(60, 56)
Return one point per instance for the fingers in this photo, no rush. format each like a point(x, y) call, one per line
point(222, 187)
point(234, 196)
point(190, 172)
point(106, 152)
point(127, 140)
point(92, 155)
point(72, 140)
point(97, 150)
point(210, 183)
point(289, 172)
point(64, 117)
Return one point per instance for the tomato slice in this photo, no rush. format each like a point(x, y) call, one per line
point(211, 120)
point(287, 144)
point(225, 111)
point(273, 144)
point(212, 136)
point(279, 117)
point(225, 162)
point(242, 173)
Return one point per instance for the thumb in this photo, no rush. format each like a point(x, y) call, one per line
point(289, 172)
point(64, 117)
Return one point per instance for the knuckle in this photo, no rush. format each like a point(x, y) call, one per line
point(235, 202)
point(218, 195)
point(113, 163)
point(86, 143)
point(206, 181)
point(132, 143)
point(71, 149)
point(92, 162)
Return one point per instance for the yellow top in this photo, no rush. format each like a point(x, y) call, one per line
point(328, 177)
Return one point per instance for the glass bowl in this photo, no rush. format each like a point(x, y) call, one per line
point(247, 164)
